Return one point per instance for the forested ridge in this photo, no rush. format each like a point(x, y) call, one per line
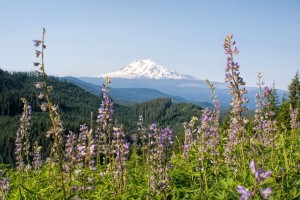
point(76, 106)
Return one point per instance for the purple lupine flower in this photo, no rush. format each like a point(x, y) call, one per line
point(91, 180)
point(167, 137)
point(142, 134)
point(86, 151)
point(36, 64)
point(252, 167)
point(81, 149)
point(121, 149)
point(37, 42)
point(265, 125)
point(265, 193)
point(4, 184)
point(246, 194)
point(213, 141)
point(92, 151)
point(81, 155)
point(49, 88)
point(261, 175)
point(187, 139)
point(153, 127)
point(235, 51)
point(106, 109)
point(37, 160)
point(37, 53)
point(81, 143)
point(70, 152)
point(91, 188)
point(75, 188)
point(160, 146)
point(92, 165)
point(41, 96)
point(18, 150)
point(105, 123)
point(141, 120)
point(102, 143)
point(22, 137)
point(44, 107)
point(259, 110)
point(236, 85)
point(142, 129)
point(39, 85)
point(205, 133)
point(26, 116)
point(37, 73)
point(134, 138)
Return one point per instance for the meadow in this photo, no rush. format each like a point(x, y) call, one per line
point(252, 157)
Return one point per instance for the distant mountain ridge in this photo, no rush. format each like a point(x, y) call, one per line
point(146, 69)
point(131, 95)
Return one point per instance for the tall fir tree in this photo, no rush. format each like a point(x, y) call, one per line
point(294, 91)
point(274, 99)
point(283, 116)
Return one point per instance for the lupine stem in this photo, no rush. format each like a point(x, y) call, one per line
point(243, 159)
point(255, 189)
point(26, 132)
point(51, 112)
point(202, 162)
point(284, 152)
point(86, 157)
point(148, 163)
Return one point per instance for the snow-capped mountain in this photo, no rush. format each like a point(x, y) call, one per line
point(147, 69)
point(143, 74)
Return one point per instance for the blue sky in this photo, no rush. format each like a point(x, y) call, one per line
point(91, 37)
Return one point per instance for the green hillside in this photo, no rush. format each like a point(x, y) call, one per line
point(75, 106)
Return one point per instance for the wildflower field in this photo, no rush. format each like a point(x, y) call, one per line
point(250, 157)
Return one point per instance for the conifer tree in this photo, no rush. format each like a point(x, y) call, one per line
point(294, 91)
point(274, 100)
point(283, 116)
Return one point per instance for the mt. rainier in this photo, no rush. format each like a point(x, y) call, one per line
point(146, 69)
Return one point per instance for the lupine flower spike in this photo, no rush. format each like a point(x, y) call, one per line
point(4, 184)
point(37, 42)
point(259, 175)
point(22, 137)
point(237, 90)
point(160, 155)
point(37, 160)
point(57, 125)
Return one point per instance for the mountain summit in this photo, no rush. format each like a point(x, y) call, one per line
point(147, 69)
